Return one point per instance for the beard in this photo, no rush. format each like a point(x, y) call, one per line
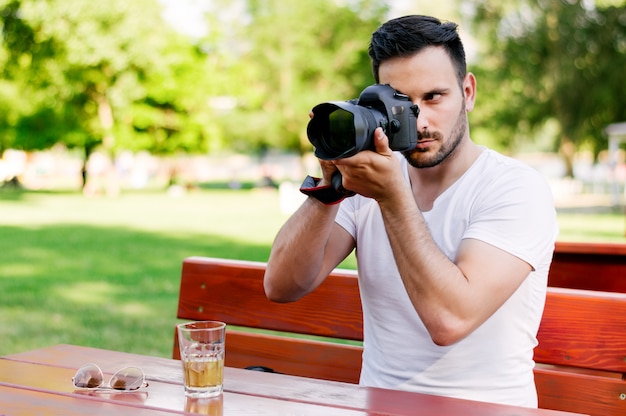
point(419, 158)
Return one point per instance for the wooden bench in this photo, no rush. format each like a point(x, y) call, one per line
point(592, 266)
point(582, 340)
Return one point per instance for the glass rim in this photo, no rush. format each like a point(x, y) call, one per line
point(202, 325)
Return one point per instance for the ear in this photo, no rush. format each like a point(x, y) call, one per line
point(469, 90)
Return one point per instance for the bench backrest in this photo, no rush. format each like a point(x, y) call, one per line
point(592, 266)
point(232, 291)
point(581, 356)
point(581, 351)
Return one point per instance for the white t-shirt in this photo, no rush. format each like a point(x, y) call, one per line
point(499, 201)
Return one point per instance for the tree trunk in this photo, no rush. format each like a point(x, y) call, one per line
point(105, 114)
point(567, 151)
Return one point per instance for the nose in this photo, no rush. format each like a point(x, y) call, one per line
point(422, 120)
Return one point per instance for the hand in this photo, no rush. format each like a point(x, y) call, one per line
point(372, 173)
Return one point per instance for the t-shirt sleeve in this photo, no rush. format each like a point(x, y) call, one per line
point(346, 215)
point(516, 214)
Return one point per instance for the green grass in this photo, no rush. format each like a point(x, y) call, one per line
point(599, 227)
point(104, 272)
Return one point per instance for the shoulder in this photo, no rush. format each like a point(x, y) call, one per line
point(512, 208)
point(501, 185)
point(493, 160)
point(501, 170)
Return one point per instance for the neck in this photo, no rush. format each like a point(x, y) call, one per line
point(429, 183)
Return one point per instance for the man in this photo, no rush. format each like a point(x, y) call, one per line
point(453, 240)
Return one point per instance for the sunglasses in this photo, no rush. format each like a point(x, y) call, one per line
point(90, 376)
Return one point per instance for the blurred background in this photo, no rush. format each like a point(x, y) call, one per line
point(103, 97)
point(136, 133)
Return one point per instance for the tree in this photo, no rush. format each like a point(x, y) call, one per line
point(98, 74)
point(295, 55)
point(553, 61)
point(92, 74)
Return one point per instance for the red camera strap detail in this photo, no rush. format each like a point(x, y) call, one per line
point(325, 194)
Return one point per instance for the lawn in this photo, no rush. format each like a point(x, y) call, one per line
point(104, 272)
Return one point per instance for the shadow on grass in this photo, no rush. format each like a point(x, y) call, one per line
point(112, 288)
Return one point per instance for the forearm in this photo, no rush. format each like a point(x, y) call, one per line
point(437, 288)
point(296, 262)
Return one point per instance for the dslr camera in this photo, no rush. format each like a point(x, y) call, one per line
point(341, 129)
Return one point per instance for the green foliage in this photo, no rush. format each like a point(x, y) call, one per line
point(89, 71)
point(302, 53)
point(94, 74)
point(115, 74)
point(551, 60)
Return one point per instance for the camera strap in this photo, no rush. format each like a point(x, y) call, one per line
point(328, 195)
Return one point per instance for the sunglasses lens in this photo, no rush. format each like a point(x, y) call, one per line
point(88, 376)
point(129, 378)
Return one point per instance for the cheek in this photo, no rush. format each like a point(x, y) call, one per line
point(444, 117)
point(449, 124)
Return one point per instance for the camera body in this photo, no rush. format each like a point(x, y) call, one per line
point(341, 129)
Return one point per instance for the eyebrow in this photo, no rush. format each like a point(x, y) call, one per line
point(442, 90)
point(437, 91)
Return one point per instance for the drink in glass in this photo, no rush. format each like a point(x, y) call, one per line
point(202, 354)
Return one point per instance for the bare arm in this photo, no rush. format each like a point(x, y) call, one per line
point(307, 248)
point(452, 298)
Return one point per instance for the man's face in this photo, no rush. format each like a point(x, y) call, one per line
point(430, 81)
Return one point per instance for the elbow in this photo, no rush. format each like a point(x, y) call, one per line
point(282, 285)
point(275, 290)
point(449, 333)
point(445, 340)
point(278, 296)
point(271, 291)
point(273, 294)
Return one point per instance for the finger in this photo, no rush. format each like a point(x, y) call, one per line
point(381, 141)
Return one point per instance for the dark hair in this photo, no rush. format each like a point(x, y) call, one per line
point(408, 35)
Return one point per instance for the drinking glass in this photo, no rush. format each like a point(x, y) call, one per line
point(202, 354)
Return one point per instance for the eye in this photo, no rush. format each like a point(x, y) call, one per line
point(433, 96)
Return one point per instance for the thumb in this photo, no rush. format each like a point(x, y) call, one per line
point(381, 141)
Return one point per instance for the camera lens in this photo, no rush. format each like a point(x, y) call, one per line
point(341, 129)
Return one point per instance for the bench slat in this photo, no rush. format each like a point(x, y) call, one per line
point(562, 389)
point(221, 289)
point(591, 266)
point(303, 357)
point(586, 248)
point(583, 329)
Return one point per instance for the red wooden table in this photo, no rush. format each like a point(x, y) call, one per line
point(39, 382)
